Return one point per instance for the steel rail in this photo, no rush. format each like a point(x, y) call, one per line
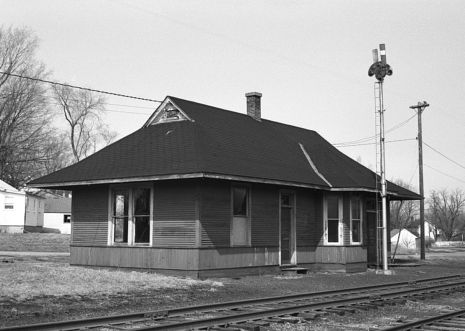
point(429, 320)
point(115, 319)
point(273, 312)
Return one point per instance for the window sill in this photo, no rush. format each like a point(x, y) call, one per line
point(127, 245)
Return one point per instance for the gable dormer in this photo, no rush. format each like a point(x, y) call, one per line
point(167, 111)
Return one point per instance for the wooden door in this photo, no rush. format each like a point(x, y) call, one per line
point(287, 240)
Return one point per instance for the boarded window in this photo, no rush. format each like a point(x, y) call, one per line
point(240, 220)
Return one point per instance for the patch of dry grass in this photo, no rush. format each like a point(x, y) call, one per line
point(24, 281)
point(34, 242)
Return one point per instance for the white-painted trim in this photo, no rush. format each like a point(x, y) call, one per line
point(315, 169)
point(131, 217)
point(340, 219)
point(161, 108)
point(152, 217)
point(361, 220)
point(110, 217)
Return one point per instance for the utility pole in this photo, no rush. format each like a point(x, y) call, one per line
point(419, 108)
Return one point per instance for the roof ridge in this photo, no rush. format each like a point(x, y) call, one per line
point(242, 114)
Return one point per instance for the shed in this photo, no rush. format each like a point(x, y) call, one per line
point(12, 209)
point(34, 220)
point(406, 238)
point(204, 191)
point(57, 213)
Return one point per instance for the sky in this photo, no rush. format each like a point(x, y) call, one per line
point(309, 59)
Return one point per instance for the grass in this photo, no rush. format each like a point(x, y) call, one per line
point(34, 242)
point(24, 281)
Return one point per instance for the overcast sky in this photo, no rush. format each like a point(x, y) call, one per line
point(309, 59)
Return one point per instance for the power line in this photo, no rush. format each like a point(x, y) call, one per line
point(364, 144)
point(115, 111)
point(395, 127)
point(446, 157)
point(79, 87)
point(443, 173)
point(128, 106)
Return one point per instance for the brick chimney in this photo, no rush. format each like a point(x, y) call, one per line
point(254, 105)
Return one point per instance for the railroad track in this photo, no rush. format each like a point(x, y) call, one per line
point(453, 321)
point(257, 314)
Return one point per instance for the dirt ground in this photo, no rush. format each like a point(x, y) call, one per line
point(45, 288)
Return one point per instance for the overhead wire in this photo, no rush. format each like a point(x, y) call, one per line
point(445, 156)
point(361, 140)
point(443, 173)
point(387, 141)
point(79, 87)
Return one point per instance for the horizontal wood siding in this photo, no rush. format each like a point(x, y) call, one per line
point(135, 257)
point(340, 254)
point(89, 209)
point(215, 213)
point(265, 216)
point(175, 214)
point(309, 218)
point(238, 257)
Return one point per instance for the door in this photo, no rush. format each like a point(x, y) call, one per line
point(287, 229)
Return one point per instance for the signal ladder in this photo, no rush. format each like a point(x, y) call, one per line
point(378, 91)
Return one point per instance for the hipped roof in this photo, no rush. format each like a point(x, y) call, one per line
point(219, 143)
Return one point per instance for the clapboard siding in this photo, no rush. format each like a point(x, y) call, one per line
point(265, 215)
point(135, 257)
point(175, 214)
point(309, 217)
point(215, 213)
point(238, 257)
point(90, 215)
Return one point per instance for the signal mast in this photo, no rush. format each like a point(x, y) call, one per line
point(380, 69)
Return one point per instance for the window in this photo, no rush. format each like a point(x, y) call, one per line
point(9, 202)
point(240, 218)
point(355, 220)
point(333, 219)
point(66, 218)
point(131, 215)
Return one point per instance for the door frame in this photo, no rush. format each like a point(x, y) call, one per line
point(293, 241)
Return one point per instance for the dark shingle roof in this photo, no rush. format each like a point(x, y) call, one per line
point(226, 143)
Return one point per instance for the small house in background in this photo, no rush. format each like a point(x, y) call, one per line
point(204, 191)
point(34, 219)
point(431, 231)
point(12, 209)
point(406, 239)
point(57, 214)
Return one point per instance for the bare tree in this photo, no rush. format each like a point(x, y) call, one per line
point(402, 214)
point(83, 111)
point(24, 116)
point(446, 211)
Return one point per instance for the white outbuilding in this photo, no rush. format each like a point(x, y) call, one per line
point(12, 209)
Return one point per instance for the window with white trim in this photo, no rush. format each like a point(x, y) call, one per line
point(131, 215)
point(333, 219)
point(240, 223)
point(355, 220)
